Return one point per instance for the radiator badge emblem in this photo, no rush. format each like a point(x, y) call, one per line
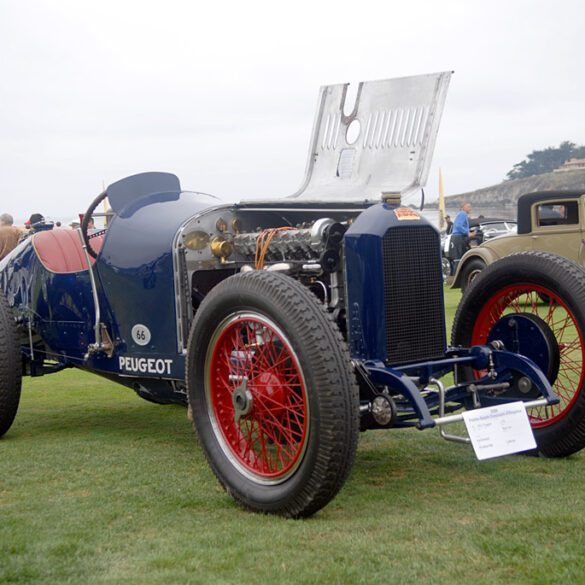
point(403, 213)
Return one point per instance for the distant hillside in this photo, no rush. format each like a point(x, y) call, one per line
point(507, 193)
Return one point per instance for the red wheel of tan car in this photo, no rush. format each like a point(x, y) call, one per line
point(274, 399)
point(552, 289)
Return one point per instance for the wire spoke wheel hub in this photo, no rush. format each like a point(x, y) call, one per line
point(274, 399)
point(257, 397)
point(547, 306)
point(530, 336)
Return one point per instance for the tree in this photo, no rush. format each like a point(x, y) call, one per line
point(545, 161)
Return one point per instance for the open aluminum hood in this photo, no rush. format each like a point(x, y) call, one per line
point(384, 146)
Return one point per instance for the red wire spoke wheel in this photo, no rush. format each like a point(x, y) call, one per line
point(257, 398)
point(274, 399)
point(551, 290)
point(542, 302)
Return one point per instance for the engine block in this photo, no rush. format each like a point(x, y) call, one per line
point(319, 243)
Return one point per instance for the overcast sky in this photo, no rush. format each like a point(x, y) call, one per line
point(223, 94)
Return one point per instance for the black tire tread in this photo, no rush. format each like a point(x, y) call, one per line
point(10, 367)
point(338, 394)
point(469, 266)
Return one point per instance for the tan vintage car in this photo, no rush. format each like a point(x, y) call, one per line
point(551, 221)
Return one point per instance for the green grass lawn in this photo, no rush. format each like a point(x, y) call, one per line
point(99, 486)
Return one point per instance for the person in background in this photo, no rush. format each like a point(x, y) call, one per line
point(460, 234)
point(449, 223)
point(6, 220)
point(30, 224)
point(34, 219)
point(9, 235)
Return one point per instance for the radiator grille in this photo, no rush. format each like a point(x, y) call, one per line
point(413, 295)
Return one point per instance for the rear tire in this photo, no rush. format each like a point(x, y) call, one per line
point(273, 395)
point(10, 367)
point(518, 284)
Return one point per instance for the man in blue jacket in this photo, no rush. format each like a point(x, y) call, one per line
point(461, 233)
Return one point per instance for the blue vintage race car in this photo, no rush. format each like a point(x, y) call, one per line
point(289, 325)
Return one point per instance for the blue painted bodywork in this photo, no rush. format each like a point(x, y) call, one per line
point(135, 284)
point(138, 283)
point(135, 266)
point(365, 287)
point(58, 307)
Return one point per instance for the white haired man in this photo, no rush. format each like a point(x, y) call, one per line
point(9, 235)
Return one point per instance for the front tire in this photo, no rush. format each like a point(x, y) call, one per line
point(470, 271)
point(10, 367)
point(274, 399)
point(518, 284)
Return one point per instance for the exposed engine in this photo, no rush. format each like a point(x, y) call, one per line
point(314, 249)
point(376, 270)
point(310, 252)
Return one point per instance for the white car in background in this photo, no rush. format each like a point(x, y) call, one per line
point(487, 228)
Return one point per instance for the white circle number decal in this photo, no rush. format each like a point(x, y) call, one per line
point(141, 334)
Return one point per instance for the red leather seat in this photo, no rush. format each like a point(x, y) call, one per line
point(59, 250)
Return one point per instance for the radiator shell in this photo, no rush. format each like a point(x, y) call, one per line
point(394, 287)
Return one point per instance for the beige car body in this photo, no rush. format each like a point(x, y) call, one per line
point(564, 236)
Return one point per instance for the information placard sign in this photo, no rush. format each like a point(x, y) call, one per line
point(499, 430)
